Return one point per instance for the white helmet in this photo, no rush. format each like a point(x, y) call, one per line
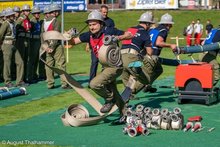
point(54, 7)
point(9, 11)
point(35, 9)
point(16, 9)
point(166, 19)
point(46, 9)
point(146, 17)
point(95, 15)
point(2, 14)
point(26, 7)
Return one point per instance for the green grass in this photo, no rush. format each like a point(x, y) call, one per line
point(79, 59)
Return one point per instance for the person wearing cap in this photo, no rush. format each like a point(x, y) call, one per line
point(23, 33)
point(7, 36)
point(104, 84)
point(55, 51)
point(158, 41)
point(132, 51)
point(35, 43)
point(41, 66)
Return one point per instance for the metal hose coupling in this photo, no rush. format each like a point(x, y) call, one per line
point(176, 122)
point(108, 40)
point(156, 119)
point(139, 108)
point(165, 123)
point(132, 132)
point(147, 119)
point(196, 127)
point(189, 125)
point(147, 110)
point(164, 112)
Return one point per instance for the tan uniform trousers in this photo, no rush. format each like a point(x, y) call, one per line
point(210, 57)
point(56, 57)
point(8, 50)
point(143, 78)
point(104, 84)
point(153, 67)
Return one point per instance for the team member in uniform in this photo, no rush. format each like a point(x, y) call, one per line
point(211, 56)
point(17, 11)
point(23, 33)
point(103, 84)
point(55, 51)
point(1, 54)
point(35, 43)
point(7, 36)
point(41, 67)
point(94, 60)
point(132, 49)
point(158, 38)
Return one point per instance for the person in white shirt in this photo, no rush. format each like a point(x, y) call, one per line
point(189, 33)
point(198, 30)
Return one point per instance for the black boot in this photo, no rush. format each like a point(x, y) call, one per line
point(149, 88)
point(107, 107)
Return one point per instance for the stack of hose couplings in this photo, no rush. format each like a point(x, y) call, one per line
point(140, 119)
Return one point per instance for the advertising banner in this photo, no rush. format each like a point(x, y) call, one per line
point(69, 5)
point(4, 5)
point(151, 4)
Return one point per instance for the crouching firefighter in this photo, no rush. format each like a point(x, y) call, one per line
point(132, 51)
point(104, 84)
point(210, 56)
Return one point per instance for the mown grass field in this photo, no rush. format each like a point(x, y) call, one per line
point(79, 60)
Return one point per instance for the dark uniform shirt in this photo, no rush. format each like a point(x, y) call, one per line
point(95, 40)
point(161, 31)
point(109, 22)
point(209, 27)
point(140, 40)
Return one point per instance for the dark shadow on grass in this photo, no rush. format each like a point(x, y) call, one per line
point(155, 100)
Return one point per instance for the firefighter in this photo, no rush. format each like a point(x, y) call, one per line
point(23, 34)
point(211, 56)
point(158, 39)
point(132, 51)
point(1, 54)
point(35, 43)
point(7, 36)
point(104, 84)
point(55, 51)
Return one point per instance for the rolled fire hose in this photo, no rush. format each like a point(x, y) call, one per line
point(3, 89)
point(110, 55)
point(12, 93)
point(200, 48)
point(66, 118)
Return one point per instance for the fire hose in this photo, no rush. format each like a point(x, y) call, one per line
point(75, 115)
point(6, 93)
point(199, 48)
point(109, 53)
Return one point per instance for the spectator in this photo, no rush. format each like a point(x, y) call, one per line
point(189, 33)
point(198, 30)
point(208, 27)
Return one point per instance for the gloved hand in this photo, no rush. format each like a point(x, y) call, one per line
point(73, 32)
point(177, 50)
